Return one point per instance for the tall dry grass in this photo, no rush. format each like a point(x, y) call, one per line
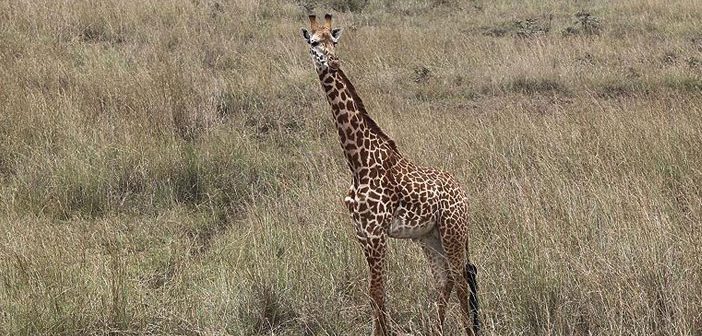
point(172, 167)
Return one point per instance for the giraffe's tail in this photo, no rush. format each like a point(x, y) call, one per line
point(471, 275)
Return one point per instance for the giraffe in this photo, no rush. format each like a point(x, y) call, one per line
point(390, 197)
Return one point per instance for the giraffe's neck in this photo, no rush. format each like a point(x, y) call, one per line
point(365, 145)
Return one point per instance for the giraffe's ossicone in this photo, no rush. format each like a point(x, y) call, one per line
point(390, 196)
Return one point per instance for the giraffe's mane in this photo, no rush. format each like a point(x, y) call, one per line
point(361, 108)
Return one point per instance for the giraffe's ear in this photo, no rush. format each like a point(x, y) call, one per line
point(305, 34)
point(336, 34)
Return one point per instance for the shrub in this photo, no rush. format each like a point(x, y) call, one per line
point(585, 24)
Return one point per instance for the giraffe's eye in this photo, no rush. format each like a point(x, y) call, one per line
point(315, 43)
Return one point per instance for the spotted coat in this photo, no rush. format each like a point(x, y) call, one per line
point(390, 196)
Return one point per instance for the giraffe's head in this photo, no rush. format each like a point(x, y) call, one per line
point(322, 40)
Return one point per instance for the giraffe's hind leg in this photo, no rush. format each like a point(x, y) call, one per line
point(457, 262)
point(454, 243)
point(434, 251)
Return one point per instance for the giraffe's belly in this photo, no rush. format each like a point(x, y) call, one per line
point(408, 222)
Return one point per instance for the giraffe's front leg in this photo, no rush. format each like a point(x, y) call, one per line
point(372, 239)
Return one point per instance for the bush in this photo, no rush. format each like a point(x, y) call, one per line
point(585, 24)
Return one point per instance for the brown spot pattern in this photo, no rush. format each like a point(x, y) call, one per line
point(392, 197)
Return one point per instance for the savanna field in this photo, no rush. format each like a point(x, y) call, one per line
point(172, 167)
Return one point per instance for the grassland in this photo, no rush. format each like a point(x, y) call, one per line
point(171, 167)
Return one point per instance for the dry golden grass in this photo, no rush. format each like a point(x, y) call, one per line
point(171, 167)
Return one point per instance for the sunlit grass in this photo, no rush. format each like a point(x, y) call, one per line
point(172, 167)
